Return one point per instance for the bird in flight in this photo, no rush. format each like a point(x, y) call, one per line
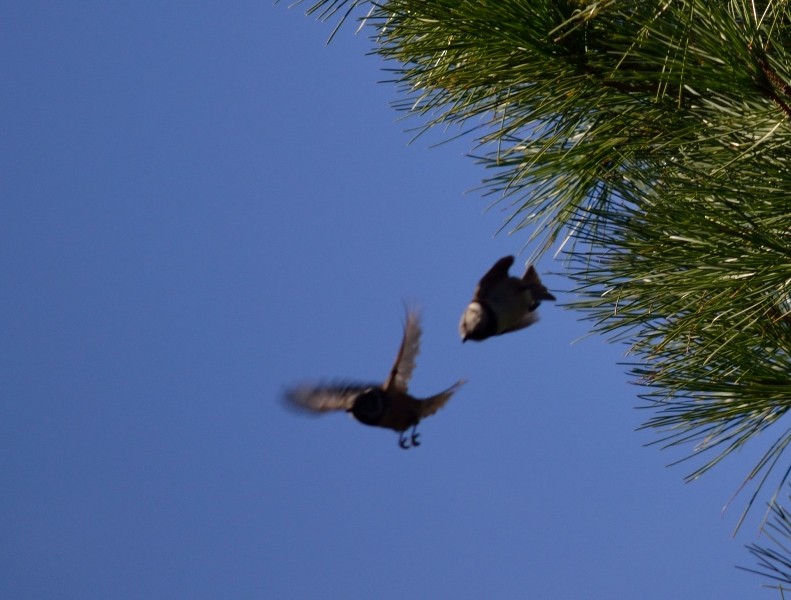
point(387, 405)
point(502, 303)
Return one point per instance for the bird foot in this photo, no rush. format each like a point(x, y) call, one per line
point(409, 442)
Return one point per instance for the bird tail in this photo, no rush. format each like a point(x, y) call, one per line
point(429, 406)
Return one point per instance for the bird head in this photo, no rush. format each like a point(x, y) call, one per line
point(369, 407)
point(476, 323)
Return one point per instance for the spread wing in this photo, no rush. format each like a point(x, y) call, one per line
point(531, 276)
point(431, 405)
point(404, 364)
point(321, 398)
point(533, 283)
point(493, 276)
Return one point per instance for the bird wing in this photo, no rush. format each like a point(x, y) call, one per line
point(532, 282)
point(531, 276)
point(527, 319)
point(493, 276)
point(431, 405)
point(404, 363)
point(321, 397)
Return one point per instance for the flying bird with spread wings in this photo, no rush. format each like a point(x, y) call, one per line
point(502, 303)
point(389, 405)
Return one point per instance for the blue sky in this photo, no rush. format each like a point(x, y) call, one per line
point(205, 204)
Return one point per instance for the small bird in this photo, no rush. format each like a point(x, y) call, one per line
point(387, 405)
point(502, 303)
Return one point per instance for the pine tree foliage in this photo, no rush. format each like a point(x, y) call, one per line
point(774, 557)
point(651, 141)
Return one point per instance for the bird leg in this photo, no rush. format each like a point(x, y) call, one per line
point(415, 436)
point(409, 442)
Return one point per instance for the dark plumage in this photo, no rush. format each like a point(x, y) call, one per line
point(388, 405)
point(502, 303)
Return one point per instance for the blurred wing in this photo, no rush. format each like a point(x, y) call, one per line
point(431, 405)
point(528, 319)
point(533, 283)
point(404, 364)
point(493, 276)
point(531, 276)
point(321, 398)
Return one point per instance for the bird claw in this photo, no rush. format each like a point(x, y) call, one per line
point(409, 442)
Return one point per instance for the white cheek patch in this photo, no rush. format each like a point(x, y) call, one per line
point(472, 316)
point(474, 312)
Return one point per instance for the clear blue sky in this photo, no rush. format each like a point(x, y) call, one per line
point(204, 204)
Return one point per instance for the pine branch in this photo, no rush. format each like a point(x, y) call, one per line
point(773, 559)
